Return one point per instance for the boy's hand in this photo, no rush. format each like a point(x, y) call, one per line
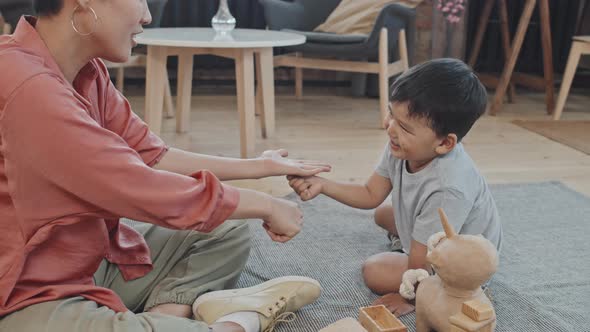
point(395, 303)
point(278, 164)
point(306, 187)
point(284, 221)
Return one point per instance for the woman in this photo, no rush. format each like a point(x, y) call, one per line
point(74, 159)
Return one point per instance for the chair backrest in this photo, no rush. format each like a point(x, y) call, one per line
point(585, 39)
point(157, 10)
point(316, 12)
point(395, 17)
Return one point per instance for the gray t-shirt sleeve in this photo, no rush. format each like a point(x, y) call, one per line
point(455, 205)
point(384, 165)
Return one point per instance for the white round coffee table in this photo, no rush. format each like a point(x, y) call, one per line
point(242, 45)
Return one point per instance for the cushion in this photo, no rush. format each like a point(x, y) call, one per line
point(329, 38)
point(358, 16)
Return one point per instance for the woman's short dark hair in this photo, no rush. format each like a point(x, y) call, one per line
point(444, 91)
point(47, 7)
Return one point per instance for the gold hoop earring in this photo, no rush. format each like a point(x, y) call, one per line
point(73, 21)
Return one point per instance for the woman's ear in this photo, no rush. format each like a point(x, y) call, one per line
point(447, 144)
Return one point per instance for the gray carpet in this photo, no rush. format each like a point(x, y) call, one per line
point(543, 283)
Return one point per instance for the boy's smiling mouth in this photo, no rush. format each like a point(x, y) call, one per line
point(394, 146)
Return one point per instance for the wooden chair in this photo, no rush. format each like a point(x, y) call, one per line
point(386, 43)
point(580, 46)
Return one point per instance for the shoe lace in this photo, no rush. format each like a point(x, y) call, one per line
point(280, 314)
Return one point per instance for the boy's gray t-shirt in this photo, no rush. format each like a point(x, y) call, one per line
point(452, 182)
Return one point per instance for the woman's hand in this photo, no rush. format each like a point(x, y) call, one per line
point(277, 164)
point(284, 221)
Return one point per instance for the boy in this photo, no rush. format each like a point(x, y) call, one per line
point(424, 167)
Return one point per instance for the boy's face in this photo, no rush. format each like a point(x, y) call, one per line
point(412, 139)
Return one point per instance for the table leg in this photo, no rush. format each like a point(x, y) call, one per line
point(267, 116)
point(258, 75)
point(184, 88)
point(154, 87)
point(506, 42)
point(568, 76)
point(298, 80)
point(547, 54)
point(168, 106)
point(515, 50)
point(245, 92)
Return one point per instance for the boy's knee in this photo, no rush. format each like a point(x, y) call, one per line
point(368, 268)
point(372, 273)
point(382, 272)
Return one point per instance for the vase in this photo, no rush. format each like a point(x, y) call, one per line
point(223, 21)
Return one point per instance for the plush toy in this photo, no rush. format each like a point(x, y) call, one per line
point(452, 299)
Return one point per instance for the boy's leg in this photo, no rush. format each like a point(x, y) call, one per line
point(79, 314)
point(383, 272)
point(384, 218)
point(186, 265)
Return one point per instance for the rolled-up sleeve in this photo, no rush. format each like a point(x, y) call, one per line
point(55, 138)
point(120, 119)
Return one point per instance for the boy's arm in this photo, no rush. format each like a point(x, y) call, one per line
point(417, 257)
point(362, 196)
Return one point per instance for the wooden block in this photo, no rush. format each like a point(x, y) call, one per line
point(478, 311)
point(347, 324)
point(465, 323)
point(379, 319)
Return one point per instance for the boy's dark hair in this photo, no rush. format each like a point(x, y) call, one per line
point(47, 7)
point(444, 91)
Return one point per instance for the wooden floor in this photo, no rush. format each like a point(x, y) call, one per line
point(330, 126)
